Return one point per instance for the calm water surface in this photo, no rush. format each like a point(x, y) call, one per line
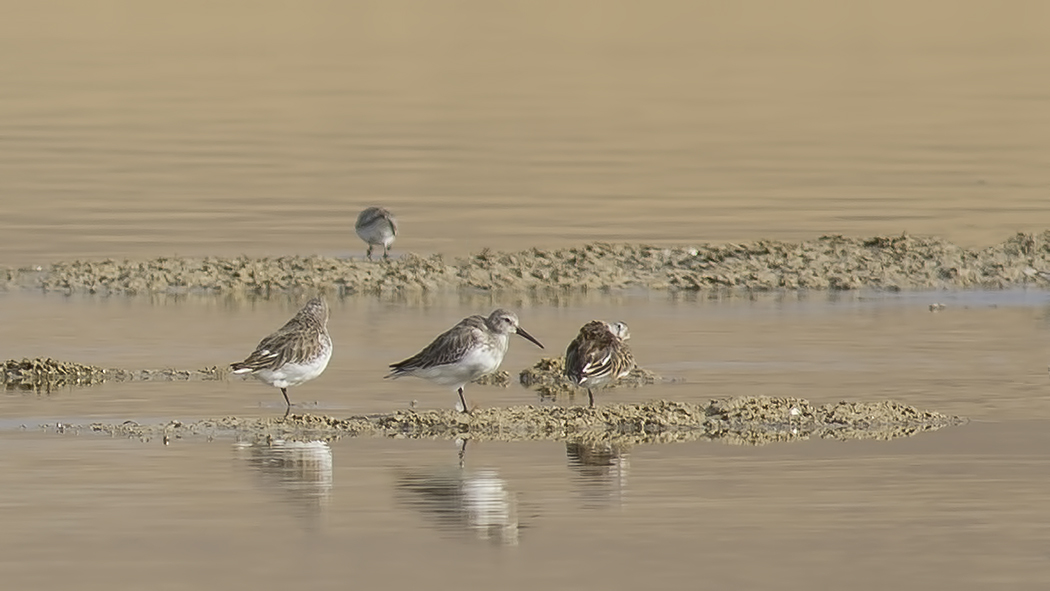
point(964, 506)
point(138, 129)
point(961, 508)
point(193, 128)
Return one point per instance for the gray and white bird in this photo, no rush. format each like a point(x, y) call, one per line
point(470, 349)
point(598, 356)
point(377, 227)
point(295, 353)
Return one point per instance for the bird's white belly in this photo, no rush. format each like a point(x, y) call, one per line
point(377, 233)
point(293, 374)
point(471, 366)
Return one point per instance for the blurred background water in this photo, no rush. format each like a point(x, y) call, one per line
point(151, 128)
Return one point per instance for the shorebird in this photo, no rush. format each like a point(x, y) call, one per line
point(377, 227)
point(295, 353)
point(598, 356)
point(465, 352)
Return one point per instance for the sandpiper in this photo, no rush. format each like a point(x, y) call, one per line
point(295, 353)
point(377, 227)
point(598, 356)
point(465, 352)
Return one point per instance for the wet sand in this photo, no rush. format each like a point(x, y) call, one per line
point(46, 374)
point(829, 263)
point(741, 421)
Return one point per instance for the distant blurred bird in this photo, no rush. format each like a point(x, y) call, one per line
point(470, 349)
point(598, 356)
point(295, 353)
point(377, 227)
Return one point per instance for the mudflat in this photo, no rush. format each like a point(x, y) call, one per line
point(831, 262)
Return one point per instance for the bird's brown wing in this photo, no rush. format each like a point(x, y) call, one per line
point(449, 347)
point(288, 344)
point(596, 353)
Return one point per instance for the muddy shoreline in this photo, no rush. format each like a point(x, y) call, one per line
point(44, 374)
point(744, 421)
point(899, 262)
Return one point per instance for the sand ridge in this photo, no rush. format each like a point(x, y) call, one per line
point(899, 262)
point(742, 420)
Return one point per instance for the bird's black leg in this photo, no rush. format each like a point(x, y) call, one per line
point(463, 401)
point(369, 253)
point(286, 401)
point(386, 253)
point(590, 396)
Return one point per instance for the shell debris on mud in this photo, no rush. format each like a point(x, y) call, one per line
point(746, 420)
point(827, 263)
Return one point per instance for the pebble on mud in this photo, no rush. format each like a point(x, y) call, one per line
point(827, 263)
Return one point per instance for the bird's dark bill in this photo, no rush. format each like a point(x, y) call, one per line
point(521, 331)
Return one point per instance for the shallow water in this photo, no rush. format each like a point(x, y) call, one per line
point(982, 348)
point(132, 129)
point(961, 506)
point(955, 508)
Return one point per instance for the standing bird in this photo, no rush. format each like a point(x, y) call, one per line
point(465, 352)
point(295, 353)
point(377, 227)
point(598, 356)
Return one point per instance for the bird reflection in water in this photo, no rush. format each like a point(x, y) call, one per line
point(601, 471)
point(463, 501)
point(300, 470)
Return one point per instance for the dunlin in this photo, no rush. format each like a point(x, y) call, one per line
point(598, 356)
point(295, 353)
point(377, 227)
point(465, 352)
